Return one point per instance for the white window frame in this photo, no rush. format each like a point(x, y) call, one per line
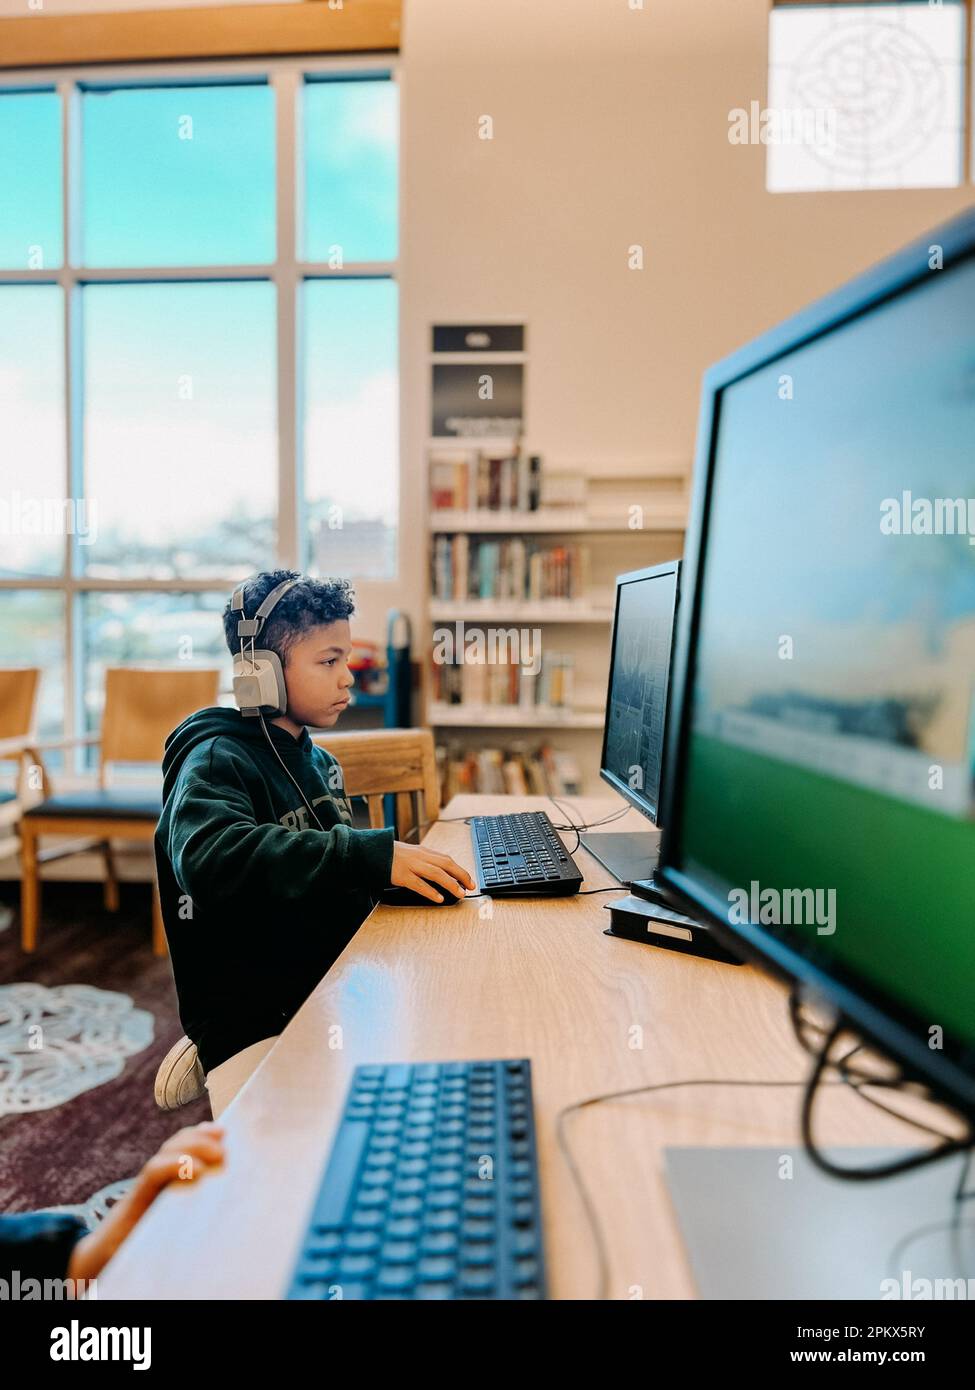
point(287, 273)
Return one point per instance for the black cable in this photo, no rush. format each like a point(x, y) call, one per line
point(810, 1085)
point(288, 773)
point(592, 824)
point(883, 1170)
point(576, 828)
point(604, 820)
point(856, 1079)
point(955, 1225)
point(584, 1197)
point(588, 825)
point(961, 1195)
point(860, 1087)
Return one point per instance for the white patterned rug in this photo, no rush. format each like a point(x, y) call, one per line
point(56, 1043)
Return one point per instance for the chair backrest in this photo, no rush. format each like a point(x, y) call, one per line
point(143, 705)
point(378, 762)
point(18, 699)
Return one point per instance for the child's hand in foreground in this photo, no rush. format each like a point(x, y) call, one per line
point(183, 1158)
point(419, 868)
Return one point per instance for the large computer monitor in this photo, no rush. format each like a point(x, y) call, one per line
point(819, 798)
point(631, 760)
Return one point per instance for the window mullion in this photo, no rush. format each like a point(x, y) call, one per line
point(73, 420)
point(289, 538)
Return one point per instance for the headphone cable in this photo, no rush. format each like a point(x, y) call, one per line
point(287, 772)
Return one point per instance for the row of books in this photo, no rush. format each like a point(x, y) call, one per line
point(466, 567)
point(486, 478)
point(512, 771)
point(506, 683)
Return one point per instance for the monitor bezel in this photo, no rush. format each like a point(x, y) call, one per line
point(643, 804)
point(898, 1031)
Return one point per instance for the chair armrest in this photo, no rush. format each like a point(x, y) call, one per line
point(76, 740)
point(13, 747)
point(30, 750)
point(24, 749)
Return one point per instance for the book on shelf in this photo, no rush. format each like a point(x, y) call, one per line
point(563, 490)
point(490, 477)
point(516, 770)
point(505, 684)
point(514, 569)
point(450, 479)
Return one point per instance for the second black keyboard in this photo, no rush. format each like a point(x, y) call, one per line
point(431, 1189)
point(522, 854)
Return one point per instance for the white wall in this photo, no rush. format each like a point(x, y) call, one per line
point(610, 128)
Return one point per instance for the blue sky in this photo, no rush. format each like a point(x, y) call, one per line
point(180, 394)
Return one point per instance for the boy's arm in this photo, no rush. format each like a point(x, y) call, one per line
point(221, 854)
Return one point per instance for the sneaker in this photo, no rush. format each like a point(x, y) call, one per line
point(180, 1077)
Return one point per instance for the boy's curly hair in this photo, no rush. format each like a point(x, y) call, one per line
point(307, 604)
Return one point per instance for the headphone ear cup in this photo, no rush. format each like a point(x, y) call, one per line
point(259, 684)
point(277, 690)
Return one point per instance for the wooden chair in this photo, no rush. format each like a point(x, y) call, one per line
point(378, 762)
point(142, 706)
point(18, 704)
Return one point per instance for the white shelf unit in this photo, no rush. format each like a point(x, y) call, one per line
point(554, 521)
point(493, 610)
point(582, 624)
point(511, 717)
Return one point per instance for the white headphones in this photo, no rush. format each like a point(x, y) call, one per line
point(259, 686)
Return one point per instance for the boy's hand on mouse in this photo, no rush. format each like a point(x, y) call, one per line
point(419, 868)
point(184, 1157)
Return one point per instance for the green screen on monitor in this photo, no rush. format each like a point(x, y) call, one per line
point(828, 778)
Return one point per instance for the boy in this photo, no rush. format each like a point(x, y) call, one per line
point(263, 880)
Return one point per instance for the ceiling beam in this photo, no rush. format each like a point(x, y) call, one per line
point(219, 31)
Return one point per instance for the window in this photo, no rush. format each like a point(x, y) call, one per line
point(350, 423)
point(351, 137)
point(32, 474)
point(178, 175)
point(866, 96)
point(180, 425)
point(32, 623)
point(210, 386)
point(30, 170)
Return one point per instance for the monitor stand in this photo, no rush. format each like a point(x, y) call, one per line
point(629, 855)
point(755, 1228)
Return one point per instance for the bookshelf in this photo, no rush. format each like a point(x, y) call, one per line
point(521, 542)
point(563, 523)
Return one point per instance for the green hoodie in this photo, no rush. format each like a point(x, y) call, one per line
point(257, 901)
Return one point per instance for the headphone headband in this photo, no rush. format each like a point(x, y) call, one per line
point(250, 627)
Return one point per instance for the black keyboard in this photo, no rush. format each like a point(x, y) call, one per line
point(522, 854)
point(431, 1188)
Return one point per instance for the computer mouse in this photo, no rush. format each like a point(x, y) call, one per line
point(409, 897)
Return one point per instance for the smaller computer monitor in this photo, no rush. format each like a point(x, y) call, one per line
point(636, 711)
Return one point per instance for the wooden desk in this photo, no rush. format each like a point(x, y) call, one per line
point(496, 978)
